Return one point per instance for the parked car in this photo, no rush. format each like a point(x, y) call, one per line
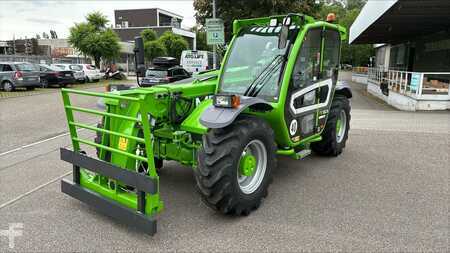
point(165, 70)
point(77, 69)
point(18, 75)
point(51, 75)
point(91, 73)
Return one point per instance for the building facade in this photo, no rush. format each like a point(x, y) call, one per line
point(411, 70)
point(130, 23)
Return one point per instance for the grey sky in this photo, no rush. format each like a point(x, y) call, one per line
point(26, 18)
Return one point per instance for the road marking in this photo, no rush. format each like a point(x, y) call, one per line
point(34, 143)
point(42, 141)
point(33, 190)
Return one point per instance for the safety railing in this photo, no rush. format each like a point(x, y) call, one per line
point(419, 85)
point(142, 120)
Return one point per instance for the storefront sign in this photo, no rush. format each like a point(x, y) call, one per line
point(415, 81)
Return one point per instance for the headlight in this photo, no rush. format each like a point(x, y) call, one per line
point(226, 101)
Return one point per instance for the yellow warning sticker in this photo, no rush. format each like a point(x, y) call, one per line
point(123, 143)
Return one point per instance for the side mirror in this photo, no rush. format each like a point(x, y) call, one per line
point(139, 56)
point(283, 37)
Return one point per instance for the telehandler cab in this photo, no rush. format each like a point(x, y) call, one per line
point(275, 94)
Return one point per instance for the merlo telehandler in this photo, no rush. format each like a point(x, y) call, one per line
point(276, 94)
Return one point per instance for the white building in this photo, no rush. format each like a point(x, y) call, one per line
point(412, 65)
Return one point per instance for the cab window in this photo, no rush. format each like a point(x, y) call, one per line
point(332, 43)
point(307, 66)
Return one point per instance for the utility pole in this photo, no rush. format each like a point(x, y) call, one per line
point(214, 46)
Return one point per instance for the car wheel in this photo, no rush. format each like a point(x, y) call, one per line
point(30, 88)
point(8, 86)
point(87, 80)
point(44, 83)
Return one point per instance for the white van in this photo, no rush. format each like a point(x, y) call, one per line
point(195, 61)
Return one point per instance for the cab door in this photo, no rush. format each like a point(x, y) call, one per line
point(312, 83)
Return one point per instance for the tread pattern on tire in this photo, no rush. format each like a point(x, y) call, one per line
point(218, 160)
point(328, 146)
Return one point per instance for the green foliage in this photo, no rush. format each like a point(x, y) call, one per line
point(154, 49)
point(148, 35)
point(356, 55)
point(346, 12)
point(231, 10)
point(97, 19)
point(174, 44)
point(93, 39)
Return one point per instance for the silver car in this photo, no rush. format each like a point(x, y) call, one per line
point(18, 75)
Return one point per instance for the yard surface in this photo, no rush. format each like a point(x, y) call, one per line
point(387, 192)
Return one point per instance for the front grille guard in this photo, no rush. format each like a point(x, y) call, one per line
point(144, 184)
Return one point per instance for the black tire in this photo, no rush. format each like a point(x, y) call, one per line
point(329, 145)
point(218, 159)
point(8, 86)
point(62, 85)
point(44, 83)
point(29, 88)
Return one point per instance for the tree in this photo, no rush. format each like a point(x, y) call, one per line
point(45, 35)
point(200, 35)
point(174, 44)
point(38, 37)
point(231, 10)
point(98, 20)
point(94, 39)
point(154, 49)
point(148, 35)
point(53, 34)
point(356, 55)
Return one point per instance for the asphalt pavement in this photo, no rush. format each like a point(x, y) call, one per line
point(387, 192)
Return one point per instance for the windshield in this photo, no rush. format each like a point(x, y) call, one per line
point(253, 50)
point(156, 73)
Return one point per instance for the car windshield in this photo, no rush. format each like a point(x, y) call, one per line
point(253, 50)
point(156, 73)
point(60, 67)
point(25, 67)
point(75, 67)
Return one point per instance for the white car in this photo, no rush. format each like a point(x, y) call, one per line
point(77, 69)
point(91, 73)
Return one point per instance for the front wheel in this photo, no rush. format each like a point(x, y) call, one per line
point(235, 164)
point(335, 134)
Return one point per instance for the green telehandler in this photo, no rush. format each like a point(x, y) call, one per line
point(276, 94)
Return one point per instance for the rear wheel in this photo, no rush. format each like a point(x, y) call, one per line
point(44, 83)
point(8, 86)
point(335, 134)
point(235, 164)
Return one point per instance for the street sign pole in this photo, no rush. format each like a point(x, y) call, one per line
point(214, 46)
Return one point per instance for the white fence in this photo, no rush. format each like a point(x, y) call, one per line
point(418, 85)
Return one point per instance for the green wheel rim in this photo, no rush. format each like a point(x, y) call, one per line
point(252, 166)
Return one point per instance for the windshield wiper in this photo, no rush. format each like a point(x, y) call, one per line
point(261, 79)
